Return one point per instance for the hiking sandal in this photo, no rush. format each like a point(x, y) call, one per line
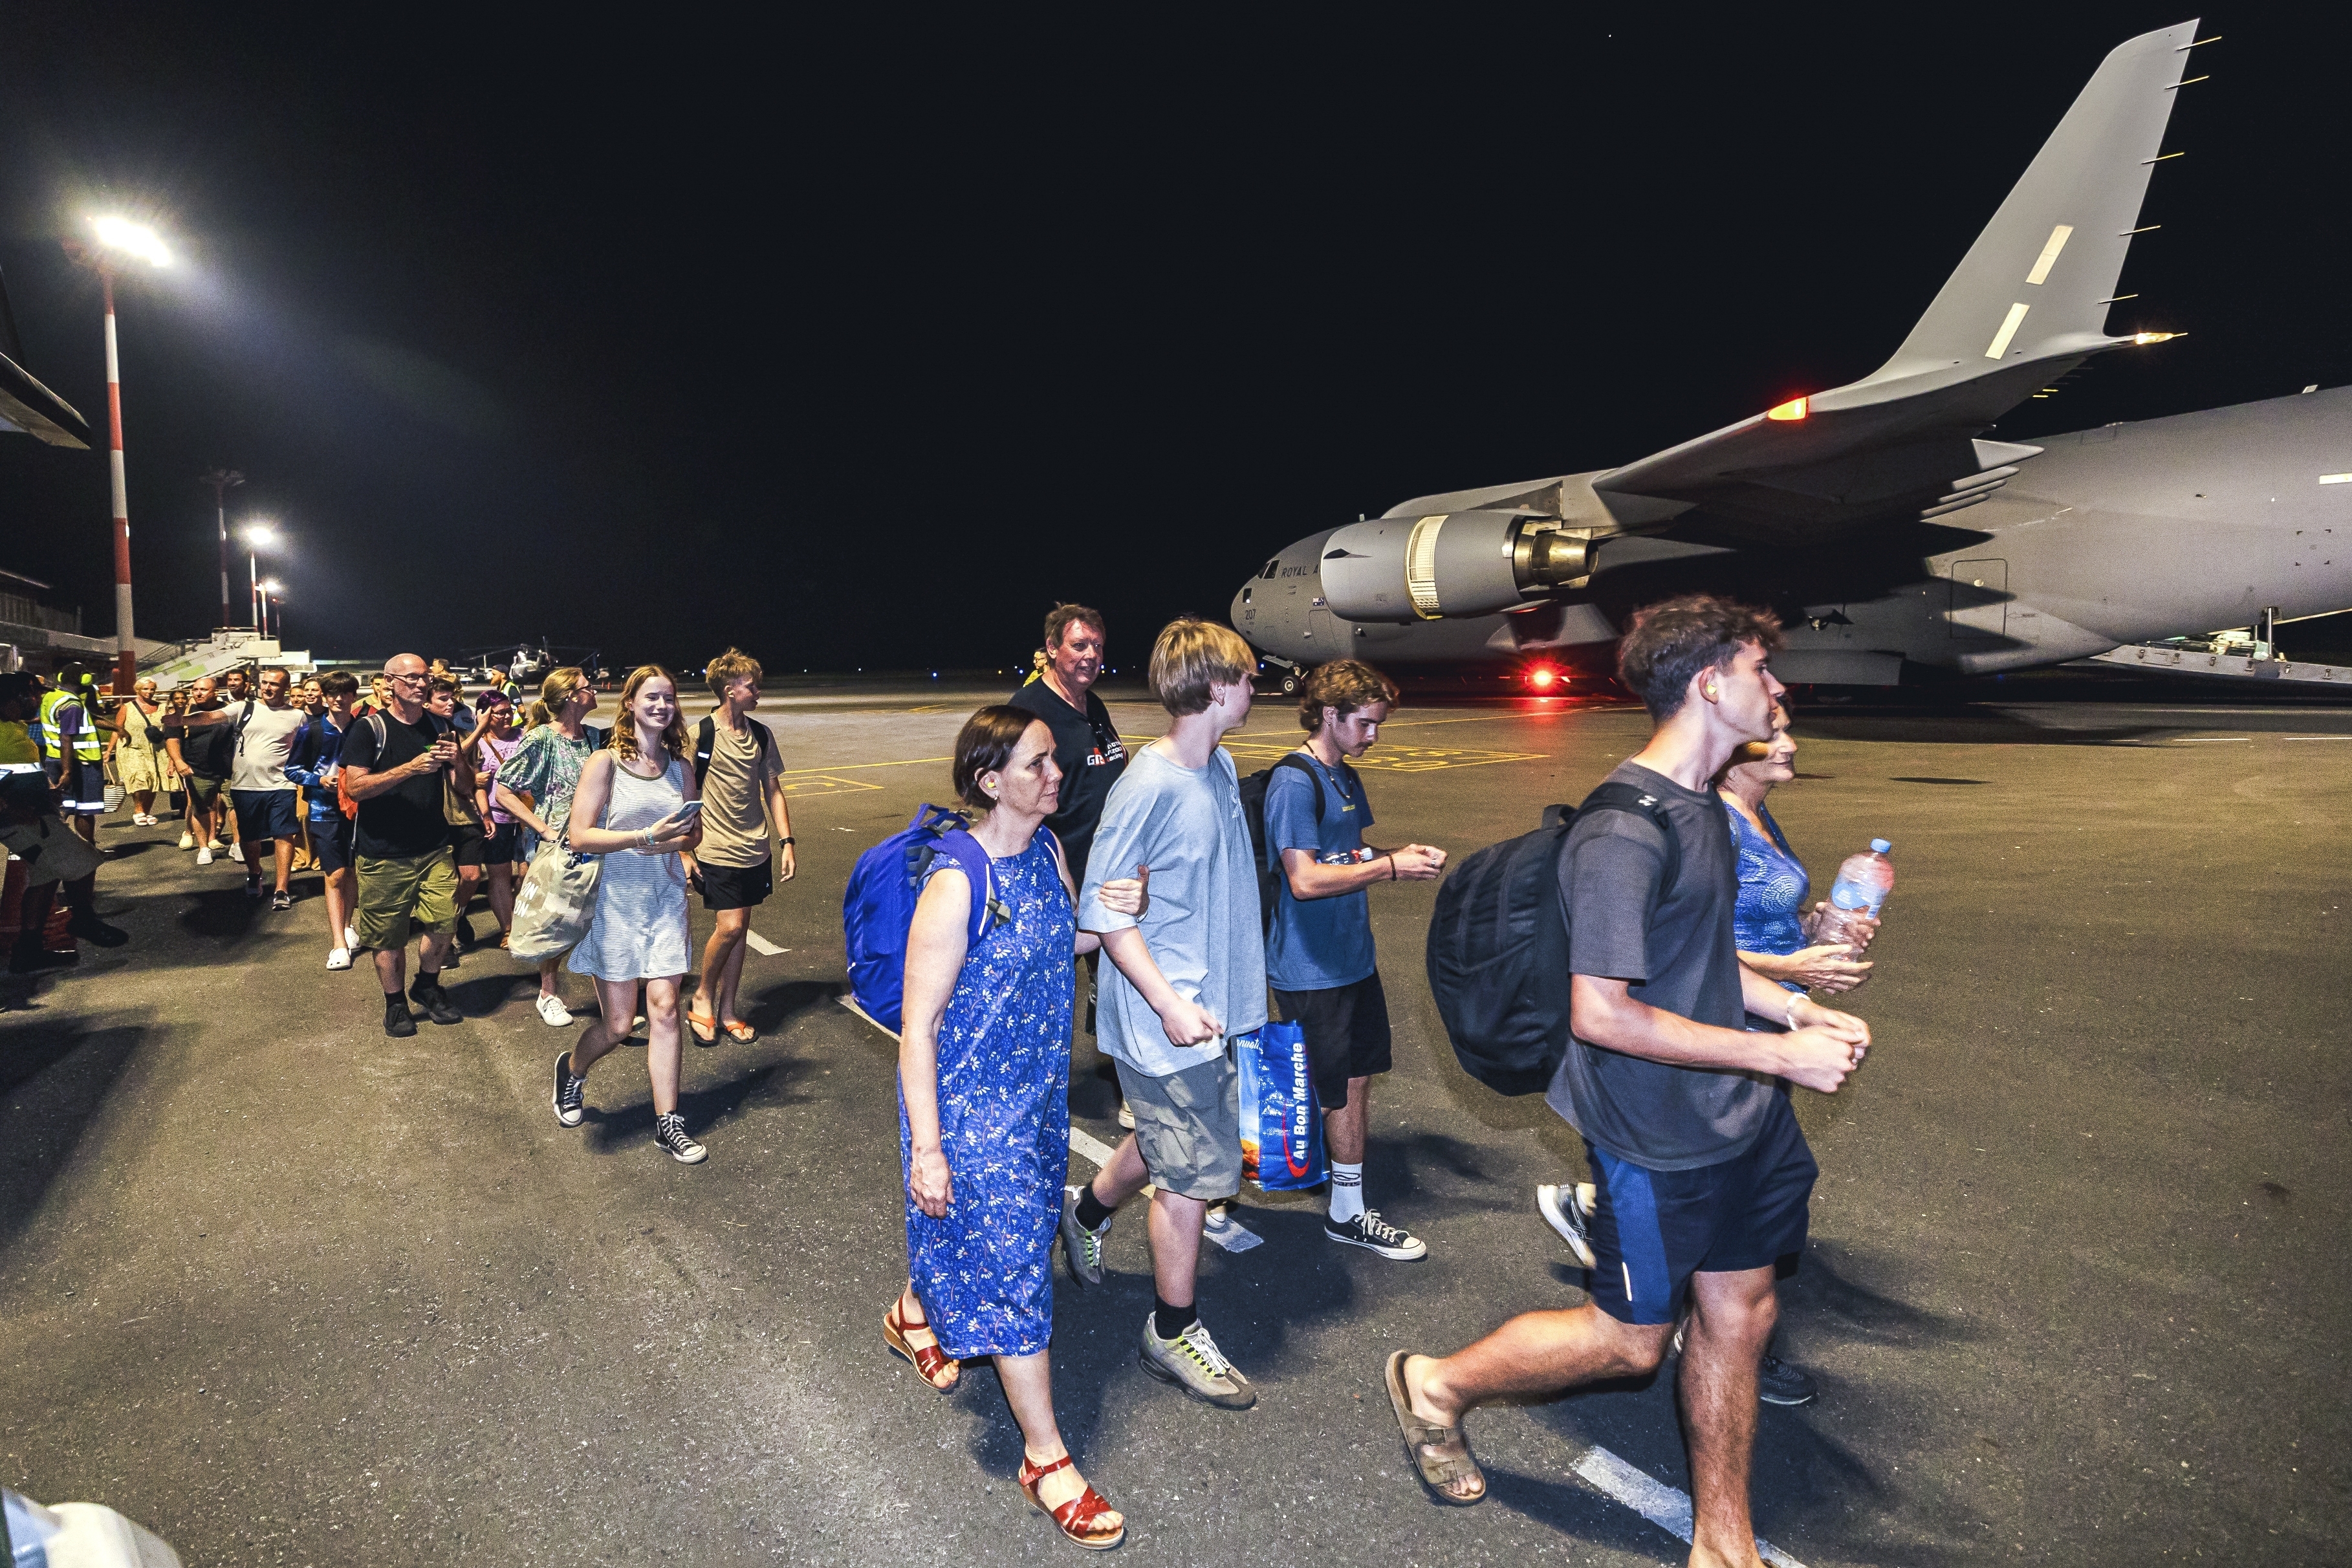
point(1435, 1469)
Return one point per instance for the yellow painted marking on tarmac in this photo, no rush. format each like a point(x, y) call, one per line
point(805, 786)
point(1402, 759)
point(856, 767)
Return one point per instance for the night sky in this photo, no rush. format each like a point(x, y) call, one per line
point(861, 348)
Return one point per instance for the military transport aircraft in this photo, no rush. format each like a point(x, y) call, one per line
point(1876, 516)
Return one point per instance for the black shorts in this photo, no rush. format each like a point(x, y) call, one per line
point(1347, 1029)
point(737, 887)
point(263, 814)
point(330, 842)
point(1651, 1230)
point(495, 848)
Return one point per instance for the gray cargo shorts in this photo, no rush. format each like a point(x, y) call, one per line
point(1188, 1127)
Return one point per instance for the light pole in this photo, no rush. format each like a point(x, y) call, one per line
point(261, 536)
point(118, 241)
point(271, 587)
point(221, 480)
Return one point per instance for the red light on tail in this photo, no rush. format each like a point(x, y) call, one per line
point(1795, 408)
point(1543, 678)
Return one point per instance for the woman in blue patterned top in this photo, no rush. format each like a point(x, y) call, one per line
point(1773, 929)
point(984, 1107)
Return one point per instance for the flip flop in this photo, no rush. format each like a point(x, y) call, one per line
point(742, 1032)
point(1435, 1469)
point(703, 1028)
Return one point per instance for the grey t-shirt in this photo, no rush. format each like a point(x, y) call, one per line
point(1676, 945)
point(1203, 926)
point(262, 750)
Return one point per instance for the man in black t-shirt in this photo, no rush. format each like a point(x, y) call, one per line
point(395, 764)
point(1086, 747)
point(1702, 1177)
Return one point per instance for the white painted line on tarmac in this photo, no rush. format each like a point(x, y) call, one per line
point(1233, 1235)
point(1668, 1508)
point(760, 944)
point(2211, 740)
point(2316, 737)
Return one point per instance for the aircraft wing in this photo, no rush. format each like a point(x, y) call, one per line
point(27, 406)
point(2028, 303)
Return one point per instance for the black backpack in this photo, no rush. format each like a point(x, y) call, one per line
point(707, 737)
point(1269, 868)
point(1498, 945)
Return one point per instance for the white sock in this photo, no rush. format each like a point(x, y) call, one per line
point(1346, 1191)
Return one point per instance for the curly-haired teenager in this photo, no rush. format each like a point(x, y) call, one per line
point(630, 809)
point(1318, 955)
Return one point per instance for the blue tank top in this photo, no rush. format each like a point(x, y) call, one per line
point(1772, 887)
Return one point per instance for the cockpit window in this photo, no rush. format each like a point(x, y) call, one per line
point(1272, 567)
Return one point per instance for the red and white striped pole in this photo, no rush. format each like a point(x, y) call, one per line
point(126, 647)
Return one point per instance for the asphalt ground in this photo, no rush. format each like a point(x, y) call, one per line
point(289, 1292)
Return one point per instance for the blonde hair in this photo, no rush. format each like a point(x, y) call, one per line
point(625, 726)
point(732, 664)
point(559, 685)
point(1192, 655)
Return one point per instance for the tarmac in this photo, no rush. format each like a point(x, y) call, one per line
point(289, 1292)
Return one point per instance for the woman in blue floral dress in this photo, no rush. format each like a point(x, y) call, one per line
point(983, 1106)
point(1771, 925)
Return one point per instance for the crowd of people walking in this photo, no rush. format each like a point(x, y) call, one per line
point(1206, 907)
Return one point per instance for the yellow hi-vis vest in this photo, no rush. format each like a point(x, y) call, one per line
point(87, 746)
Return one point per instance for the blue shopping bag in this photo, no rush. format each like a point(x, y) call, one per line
point(1282, 1126)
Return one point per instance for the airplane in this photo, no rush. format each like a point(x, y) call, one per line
point(1893, 536)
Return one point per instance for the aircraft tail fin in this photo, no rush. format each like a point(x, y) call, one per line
point(2038, 281)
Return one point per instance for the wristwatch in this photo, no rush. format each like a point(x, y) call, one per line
point(787, 839)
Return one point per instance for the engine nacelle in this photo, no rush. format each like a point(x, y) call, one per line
point(1451, 563)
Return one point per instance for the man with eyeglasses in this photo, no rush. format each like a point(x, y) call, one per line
point(394, 766)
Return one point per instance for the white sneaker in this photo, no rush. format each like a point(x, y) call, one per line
point(236, 852)
point(1125, 1116)
point(350, 936)
point(217, 846)
point(552, 1011)
point(340, 959)
point(204, 856)
point(187, 841)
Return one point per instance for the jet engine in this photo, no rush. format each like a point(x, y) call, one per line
point(1406, 569)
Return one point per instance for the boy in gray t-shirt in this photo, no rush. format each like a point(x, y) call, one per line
point(1185, 977)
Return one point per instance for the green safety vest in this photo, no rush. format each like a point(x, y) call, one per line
point(87, 746)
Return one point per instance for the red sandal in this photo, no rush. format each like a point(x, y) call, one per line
point(1081, 1517)
point(927, 1360)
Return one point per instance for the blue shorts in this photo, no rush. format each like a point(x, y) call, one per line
point(266, 813)
point(1651, 1230)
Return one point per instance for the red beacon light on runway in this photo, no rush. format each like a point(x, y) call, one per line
point(1543, 678)
point(1795, 408)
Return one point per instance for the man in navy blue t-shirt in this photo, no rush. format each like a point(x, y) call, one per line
point(1318, 956)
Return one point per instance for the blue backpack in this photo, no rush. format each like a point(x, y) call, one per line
point(879, 905)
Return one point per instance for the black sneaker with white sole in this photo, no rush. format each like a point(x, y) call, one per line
point(669, 1133)
point(570, 1093)
point(1369, 1231)
point(1778, 1382)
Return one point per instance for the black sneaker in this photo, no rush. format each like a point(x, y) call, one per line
point(1778, 1382)
point(670, 1135)
point(253, 887)
point(281, 899)
point(96, 932)
point(427, 993)
point(397, 1021)
point(1369, 1231)
point(570, 1093)
point(1081, 1247)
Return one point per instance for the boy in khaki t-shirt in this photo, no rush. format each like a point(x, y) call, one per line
point(741, 775)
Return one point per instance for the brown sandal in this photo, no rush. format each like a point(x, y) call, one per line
point(1080, 1517)
point(1435, 1469)
point(927, 1360)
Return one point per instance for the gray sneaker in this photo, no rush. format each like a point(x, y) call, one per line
point(1192, 1362)
point(1082, 1247)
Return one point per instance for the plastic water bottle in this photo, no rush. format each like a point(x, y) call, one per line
point(1861, 888)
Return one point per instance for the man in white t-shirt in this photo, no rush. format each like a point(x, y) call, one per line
point(267, 801)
